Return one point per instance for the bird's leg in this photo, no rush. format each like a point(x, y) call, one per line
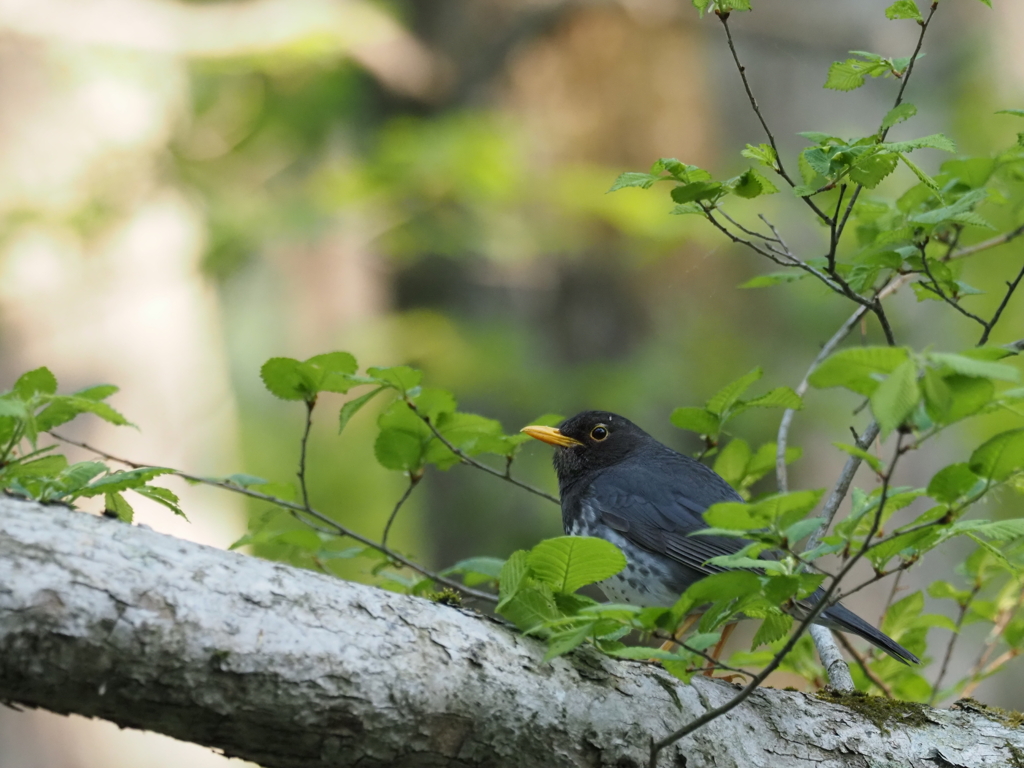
point(709, 670)
point(668, 645)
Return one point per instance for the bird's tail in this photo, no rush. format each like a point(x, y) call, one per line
point(843, 619)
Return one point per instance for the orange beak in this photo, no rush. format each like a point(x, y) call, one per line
point(551, 436)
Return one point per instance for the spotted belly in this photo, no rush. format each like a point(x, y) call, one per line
point(647, 579)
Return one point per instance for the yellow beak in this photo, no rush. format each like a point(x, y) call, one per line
point(551, 436)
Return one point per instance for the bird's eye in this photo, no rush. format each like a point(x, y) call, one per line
point(599, 432)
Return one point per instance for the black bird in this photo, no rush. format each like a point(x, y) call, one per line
point(618, 483)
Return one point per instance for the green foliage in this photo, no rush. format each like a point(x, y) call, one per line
point(32, 408)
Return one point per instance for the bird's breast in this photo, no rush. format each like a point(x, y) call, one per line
point(649, 579)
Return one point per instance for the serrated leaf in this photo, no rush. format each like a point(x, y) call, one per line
point(530, 607)
point(567, 563)
point(894, 399)
point(114, 503)
point(873, 461)
point(780, 397)
point(923, 177)
point(698, 420)
point(762, 153)
point(64, 408)
point(773, 627)
point(349, 409)
point(130, 479)
point(870, 171)
point(727, 396)
point(401, 377)
point(934, 141)
point(969, 366)
point(773, 278)
point(952, 482)
point(512, 576)
point(846, 75)
point(164, 496)
point(399, 450)
point(634, 179)
point(858, 368)
point(696, 192)
point(751, 184)
point(731, 461)
point(897, 115)
point(560, 643)
point(287, 379)
point(904, 9)
point(999, 457)
point(36, 381)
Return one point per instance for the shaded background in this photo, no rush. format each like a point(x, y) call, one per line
point(189, 188)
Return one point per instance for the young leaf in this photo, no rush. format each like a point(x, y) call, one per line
point(37, 381)
point(951, 483)
point(904, 9)
point(513, 574)
point(334, 370)
point(634, 179)
point(873, 461)
point(696, 420)
point(349, 409)
point(400, 377)
point(897, 115)
point(727, 396)
point(731, 462)
point(896, 397)
point(780, 397)
point(115, 504)
point(570, 562)
point(969, 366)
point(857, 368)
point(288, 379)
point(999, 457)
point(164, 496)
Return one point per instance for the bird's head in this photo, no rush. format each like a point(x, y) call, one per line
point(589, 441)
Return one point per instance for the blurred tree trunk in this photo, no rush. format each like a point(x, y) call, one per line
point(291, 668)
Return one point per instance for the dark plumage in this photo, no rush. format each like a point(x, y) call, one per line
point(618, 483)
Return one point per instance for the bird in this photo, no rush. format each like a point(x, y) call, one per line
point(618, 483)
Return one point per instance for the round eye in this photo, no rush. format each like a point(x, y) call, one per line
point(599, 432)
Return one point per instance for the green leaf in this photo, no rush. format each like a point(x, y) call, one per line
point(873, 461)
point(561, 643)
point(773, 278)
point(923, 177)
point(114, 503)
point(752, 184)
point(773, 627)
point(349, 409)
point(904, 9)
point(896, 397)
point(762, 153)
point(847, 75)
point(63, 408)
point(969, 366)
point(131, 479)
point(763, 461)
point(897, 115)
point(476, 570)
point(780, 397)
point(47, 466)
point(951, 483)
point(726, 397)
point(943, 590)
point(288, 379)
point(401, 377)
point(697, 420)
point(164, 496)
point(697, 191)
point(570, 562)
point(512, 576)
point(333, 371)
point(530, 607)
point(969, 395)
point(433, 402)
point(37, 381)
point(733, 516)
point(634, 179)
point(999, 457)
point(399, 450)
point(870, 171)
point(858, 368)
point(934, 141)
point(731, 462)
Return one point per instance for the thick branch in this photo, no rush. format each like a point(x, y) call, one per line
point(293, 668)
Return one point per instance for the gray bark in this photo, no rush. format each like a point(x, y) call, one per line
point(287, 668)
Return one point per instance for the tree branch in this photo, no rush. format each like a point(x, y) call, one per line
point(294, 669)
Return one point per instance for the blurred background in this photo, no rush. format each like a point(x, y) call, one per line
point(189, 188)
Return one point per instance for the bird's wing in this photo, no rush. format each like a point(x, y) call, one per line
point(657, 509)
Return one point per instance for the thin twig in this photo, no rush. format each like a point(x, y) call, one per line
point(330, 525)
point(937, 290)
point(810, 618)
point(952, 644)
point(780, 168)
point(310, 404)
point(801, 390)
point(984, 245)
point(1011, 287)
point(413, 480)
point(899, 100)
point(467, 459)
